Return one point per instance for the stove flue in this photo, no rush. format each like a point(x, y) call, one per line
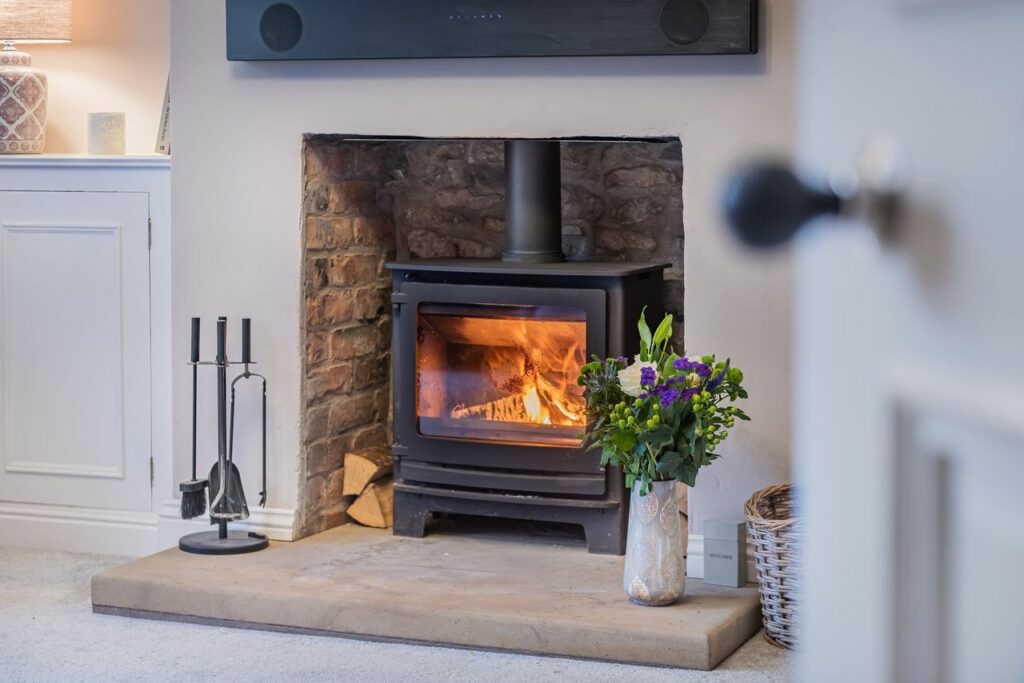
point(533, 202)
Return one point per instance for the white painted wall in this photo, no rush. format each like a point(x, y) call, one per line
point(237, 131)
point(117, 61)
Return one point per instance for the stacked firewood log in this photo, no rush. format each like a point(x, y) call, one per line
point(368, 484)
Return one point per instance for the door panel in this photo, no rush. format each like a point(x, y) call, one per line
point(884, 328)
point(74, 358)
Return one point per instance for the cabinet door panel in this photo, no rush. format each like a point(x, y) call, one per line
point(74, 349)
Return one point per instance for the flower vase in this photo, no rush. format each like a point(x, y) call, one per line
point(655, 568)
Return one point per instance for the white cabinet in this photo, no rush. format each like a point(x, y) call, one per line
point(79, 369)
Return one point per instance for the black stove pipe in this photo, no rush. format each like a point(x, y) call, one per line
point(533, 202)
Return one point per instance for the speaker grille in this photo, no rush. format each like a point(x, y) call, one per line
point(281, 27)
point(685, 22)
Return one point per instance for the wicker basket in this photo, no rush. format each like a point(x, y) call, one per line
point(775, 533)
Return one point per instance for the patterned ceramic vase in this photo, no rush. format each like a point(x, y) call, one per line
point(655, 570)
point(22, 104)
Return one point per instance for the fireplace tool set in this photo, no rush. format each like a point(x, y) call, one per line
point(224, 485)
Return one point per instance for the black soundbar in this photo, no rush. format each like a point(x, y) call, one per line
point(419, 29)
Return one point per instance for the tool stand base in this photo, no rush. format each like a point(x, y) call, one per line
point(210, 543)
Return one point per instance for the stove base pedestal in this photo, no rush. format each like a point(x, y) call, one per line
point(604, 524)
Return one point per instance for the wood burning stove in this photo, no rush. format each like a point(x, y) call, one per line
point(487, 413)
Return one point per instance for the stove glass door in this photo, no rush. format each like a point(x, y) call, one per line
point(500, 372)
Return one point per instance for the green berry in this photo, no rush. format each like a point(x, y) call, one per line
point(630, 420)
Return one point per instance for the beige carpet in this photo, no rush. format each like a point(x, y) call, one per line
point(49, 634)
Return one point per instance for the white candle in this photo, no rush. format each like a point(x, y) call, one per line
point(106, 133)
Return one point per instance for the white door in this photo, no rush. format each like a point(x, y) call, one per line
point(74, 350)
point(909, 427)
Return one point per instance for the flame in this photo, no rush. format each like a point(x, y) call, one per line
point(497, 369)
point(534, 410)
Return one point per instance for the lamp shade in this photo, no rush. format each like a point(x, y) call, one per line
point(35, 21)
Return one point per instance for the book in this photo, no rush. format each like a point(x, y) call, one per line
point(163, 134)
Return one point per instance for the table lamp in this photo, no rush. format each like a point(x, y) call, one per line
point(23, 88)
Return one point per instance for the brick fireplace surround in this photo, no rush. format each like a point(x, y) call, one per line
point(367, 201)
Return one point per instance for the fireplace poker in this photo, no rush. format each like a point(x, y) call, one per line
point(247, 374)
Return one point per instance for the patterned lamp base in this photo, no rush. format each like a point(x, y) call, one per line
point(22, 104)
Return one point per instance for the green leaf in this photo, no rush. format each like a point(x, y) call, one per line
point(687, 473)
point(669, 369)
point(669, 462)
point(645, 336)
point(664, 330)
point(658, 437)
point(623, 441)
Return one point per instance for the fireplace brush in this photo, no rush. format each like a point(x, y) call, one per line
point(193, 491)
point(227, 498)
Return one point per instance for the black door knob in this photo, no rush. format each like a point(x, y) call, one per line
point(766, 204)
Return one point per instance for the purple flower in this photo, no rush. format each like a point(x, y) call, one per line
point(717, 379)
point(687, 365)
point(667, 395)
point(647, 377)
point(621, 359)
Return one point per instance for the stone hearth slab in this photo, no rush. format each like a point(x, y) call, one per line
point(475, 591)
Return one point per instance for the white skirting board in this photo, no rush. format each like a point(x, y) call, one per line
point(695, 559)
point(276, 523)
point(119, 532)
point(116, 532)
point(80, 530)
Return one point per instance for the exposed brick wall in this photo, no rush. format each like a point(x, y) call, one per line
point(347, 237)
point(621, 201)
point(366, 202)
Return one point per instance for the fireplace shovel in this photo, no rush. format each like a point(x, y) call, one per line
point(232, 503)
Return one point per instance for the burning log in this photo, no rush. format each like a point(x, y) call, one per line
point(541, 403)
point(508, 409)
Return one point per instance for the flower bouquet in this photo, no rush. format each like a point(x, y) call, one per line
point(659, 417)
